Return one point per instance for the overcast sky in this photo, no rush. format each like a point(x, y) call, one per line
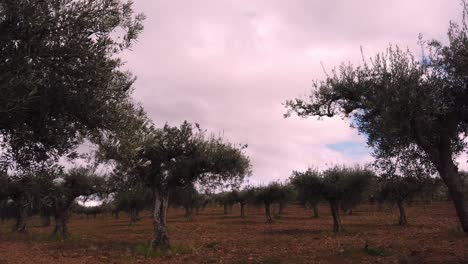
point(230, 65)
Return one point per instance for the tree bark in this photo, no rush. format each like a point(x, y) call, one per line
point(335, 210)
point(20, 225)
point(161, 202)
point(315, 208)
point(268, 213)
point(61, 219)
point(401, 207)
point(226, 209)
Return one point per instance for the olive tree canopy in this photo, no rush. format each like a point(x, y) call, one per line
point(60, 75)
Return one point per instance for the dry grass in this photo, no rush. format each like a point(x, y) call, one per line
point(295, 237)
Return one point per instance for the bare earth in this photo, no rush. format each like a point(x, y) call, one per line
point(295, 237)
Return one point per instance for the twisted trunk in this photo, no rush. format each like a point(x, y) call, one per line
point(161, 202)
point(335, 210)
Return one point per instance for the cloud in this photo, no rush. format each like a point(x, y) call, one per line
point(229, 65)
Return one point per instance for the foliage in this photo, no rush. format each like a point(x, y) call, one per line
point(407, 108)
point(308, 186)
point(60, 77)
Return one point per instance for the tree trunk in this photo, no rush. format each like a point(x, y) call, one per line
point(315, 208)
point(401, 208)
point(61, 219)
point(449, 173)
point(160, 238)
point(267, 213)
point(442, 158)
point(335, 210)
point(350, 212)
point(242, 210)
point(20, 225)
point(226, 209)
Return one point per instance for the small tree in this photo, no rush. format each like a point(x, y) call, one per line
point(270, 194)
point(69, 186)
point(308, 186)
point(244, 197)
point(340, 183)
point(227, 200)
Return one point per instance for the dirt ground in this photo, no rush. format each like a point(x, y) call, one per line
point(433, 236)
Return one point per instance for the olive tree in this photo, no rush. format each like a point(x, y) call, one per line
point(80, 181)
point(400, 102)
point(244, 197)
point(227, 200)
point(341, 183)
point(270, 194)
point(180, 156)
point(401, 180)
point(308, 186)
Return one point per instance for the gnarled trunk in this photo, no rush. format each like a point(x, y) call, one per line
point(335, 210)
point(21, 218)
point(61, 219)
point(161, 202)
point(268, 213)
point(401, 208)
